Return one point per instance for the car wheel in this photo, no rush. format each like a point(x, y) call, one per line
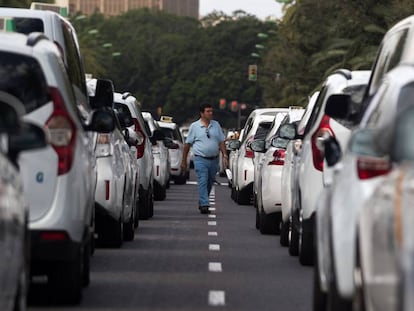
point(257, 218)
point(143, 205)
point(293, 238)
point(180, 180)
point(129, 228)
point(269, 223)
point(284, 233)
point(151, 202)
point(86, 279)
point(319, 297)
point(160, 192)
point(21, 293)
point(65, 281)
point(243, 197)
point(334, 301)
point(305, 245)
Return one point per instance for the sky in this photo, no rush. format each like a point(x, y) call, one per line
point(260, 8)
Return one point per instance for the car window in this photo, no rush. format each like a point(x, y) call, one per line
point(316, 109)
point(27, 25)
point(262, 130)
point(23, 77)
point(74, 65)
point(389, 56)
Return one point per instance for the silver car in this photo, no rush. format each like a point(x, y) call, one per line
point(14, 236)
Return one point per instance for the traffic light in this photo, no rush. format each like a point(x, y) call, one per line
point(222, 104)
point(234, 105)
point(252, 72)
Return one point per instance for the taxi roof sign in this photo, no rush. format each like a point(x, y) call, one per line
point(7, 24)
point(166, 119)
point(63, 11)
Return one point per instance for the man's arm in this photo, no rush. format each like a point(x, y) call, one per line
point(224, 152)
point(184, 159)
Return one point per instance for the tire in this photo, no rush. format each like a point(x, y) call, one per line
point(86, 271)
point(143, 213)
point(305, 246)
point(112, 233)
point(334, 301)
point(129, 229)
point(180, 180)
point(294, 239)
point(65, 281)
point(233, 194)
point(269, 223)
point(160, 192)
point(257, 219)
point(284, 233)
point(243, 197)
point(136, 219)
point(21, 293)
point(151, 202)
point(319, 297)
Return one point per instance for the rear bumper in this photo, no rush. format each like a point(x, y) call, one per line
point(46, 252)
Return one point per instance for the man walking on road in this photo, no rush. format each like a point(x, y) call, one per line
point(207, 139)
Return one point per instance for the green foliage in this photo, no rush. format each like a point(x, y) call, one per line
point(178, 62)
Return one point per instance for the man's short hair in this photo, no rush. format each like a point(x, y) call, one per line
point(204, 106)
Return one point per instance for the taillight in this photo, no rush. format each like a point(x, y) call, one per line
point(62, 132)
point(278, 157)
point(323, 130)
point(104, 147)
point(370, 167)
point(140, 138)
point(54, 236)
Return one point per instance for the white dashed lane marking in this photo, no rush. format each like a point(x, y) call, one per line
point(214, 247)
point(212, 223)
point(216, 298)
point(211, 216)
point(212, 233)
point(211, 209)
point(215, 267)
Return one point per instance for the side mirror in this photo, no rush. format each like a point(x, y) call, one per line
point(170, 144)
point(29, 137)
point(234, 144)
point(332, 151)
point(338, 106)
point(258, 145)
point(158, 135)
point(132, 142)
point(102, 121)
point(124, 117)
point(287, 131)
point(101, 93)
point(279, 142)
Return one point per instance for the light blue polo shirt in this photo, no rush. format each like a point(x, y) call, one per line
point(202, 145)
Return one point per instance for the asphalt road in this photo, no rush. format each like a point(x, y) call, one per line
point(182, 260)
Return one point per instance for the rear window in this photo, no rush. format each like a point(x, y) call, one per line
point(27, 25)
point(262, 130)
point(23, 77)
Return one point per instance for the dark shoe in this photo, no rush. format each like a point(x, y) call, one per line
point(204, 209)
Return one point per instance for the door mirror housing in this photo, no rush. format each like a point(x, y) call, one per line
point(332, 151)
point(258, 145)
point(338, 106)
point(287, 131)
point(157, 135)
point(279, 142)
point(101, 93)
point(234, 144)
point(102, 121)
